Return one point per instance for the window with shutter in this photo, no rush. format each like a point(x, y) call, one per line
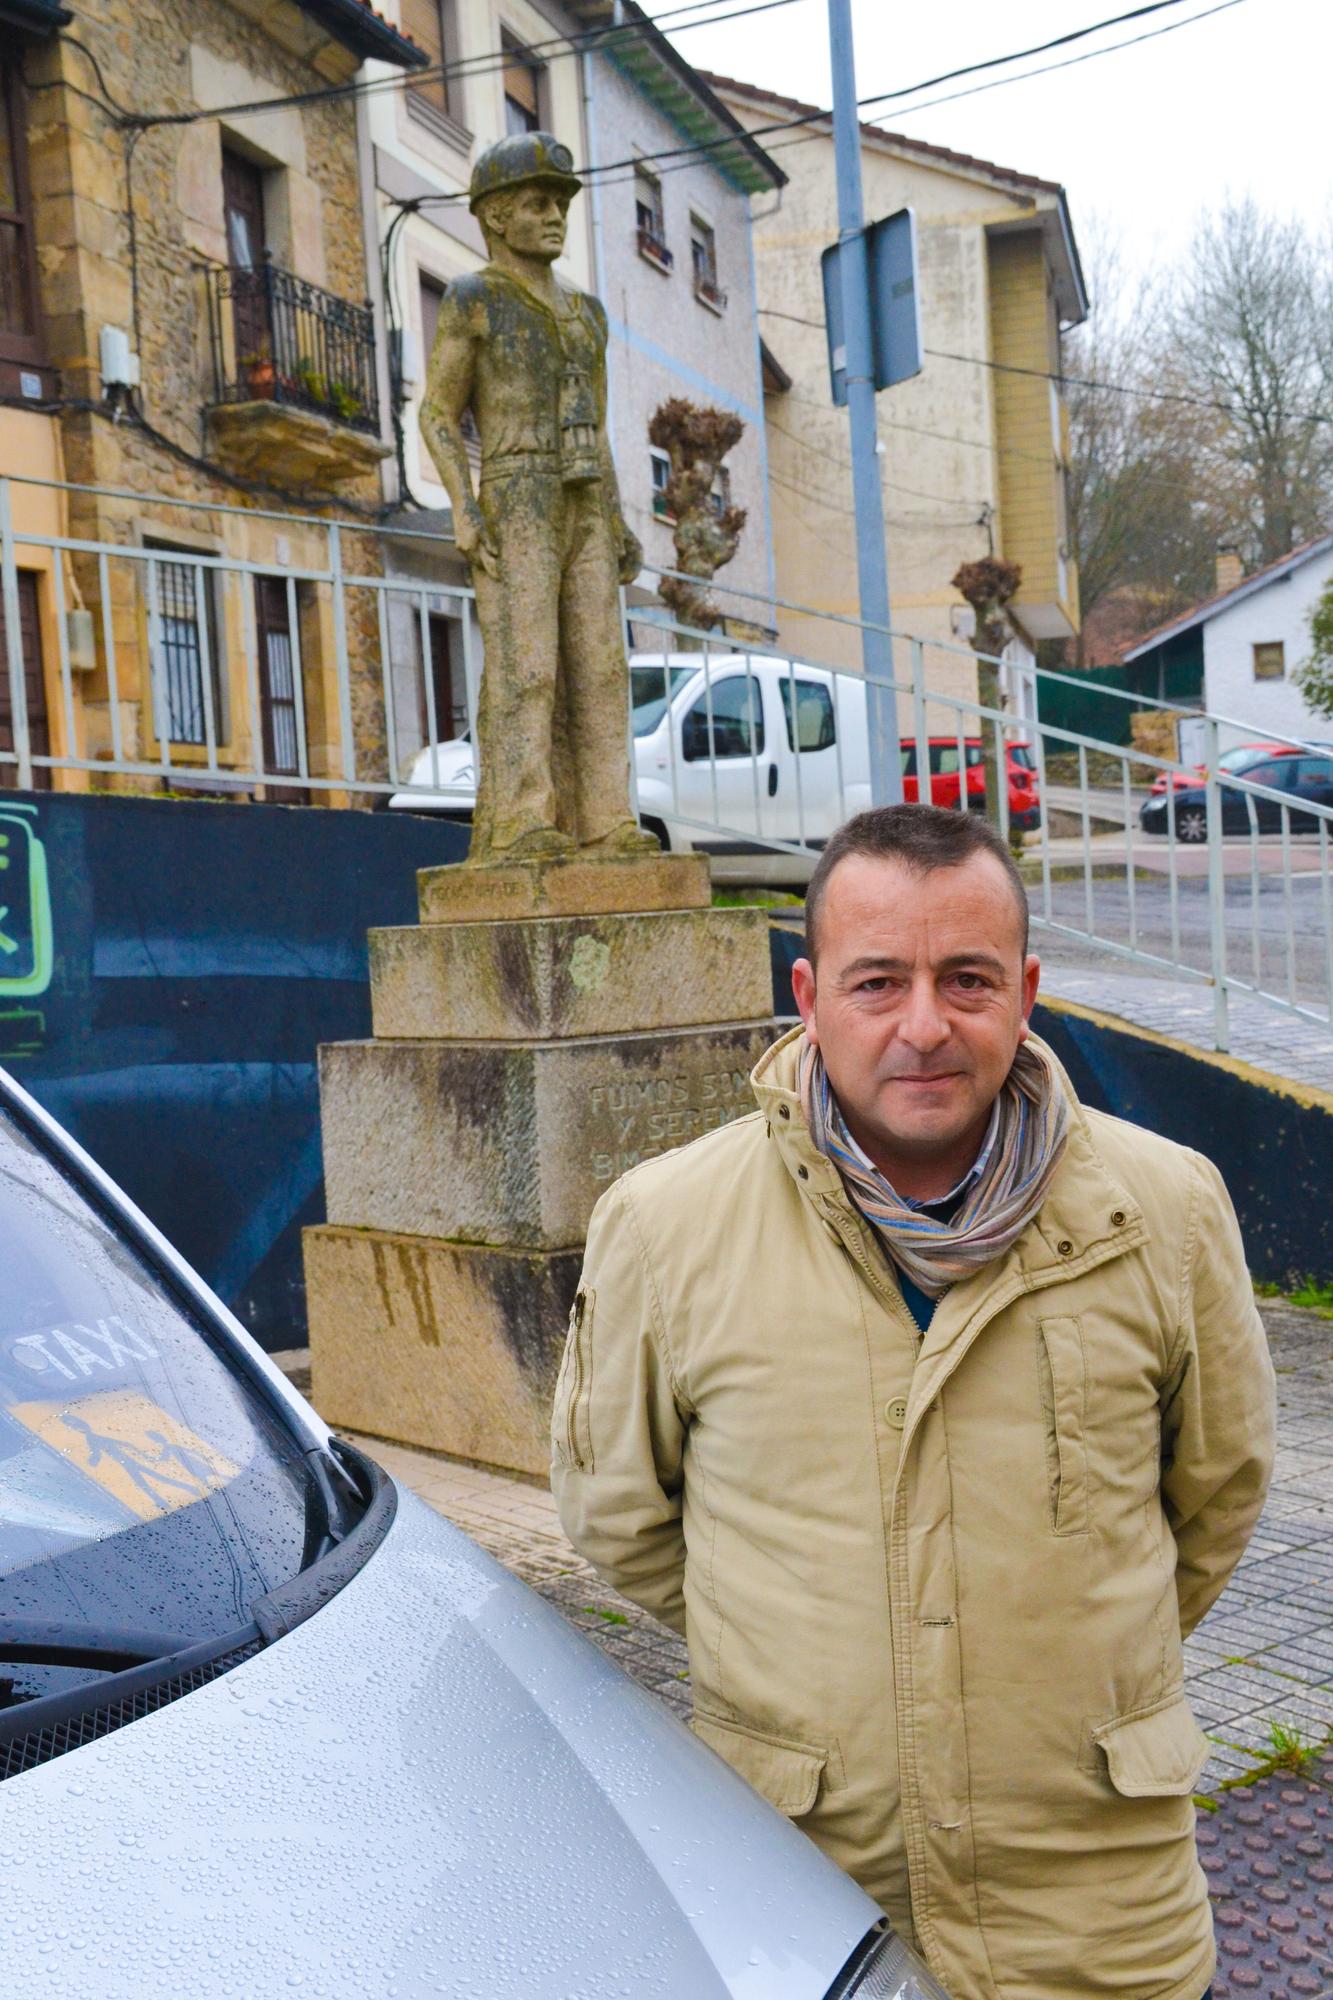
point(522, 81)
point(432, 26)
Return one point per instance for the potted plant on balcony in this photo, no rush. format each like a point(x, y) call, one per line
point(260, 375)
point(314, 384)
point(345, 401)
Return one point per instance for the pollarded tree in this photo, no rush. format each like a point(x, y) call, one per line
point(988, 585)
point(696, 438)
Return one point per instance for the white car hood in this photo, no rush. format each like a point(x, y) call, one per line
point(433, 1787)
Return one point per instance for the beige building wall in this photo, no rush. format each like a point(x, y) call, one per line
point(962, 461)
point(202, 56)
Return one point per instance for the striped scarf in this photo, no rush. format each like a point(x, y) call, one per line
point(1030, 1138)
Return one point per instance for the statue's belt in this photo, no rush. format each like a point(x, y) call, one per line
point(497, 464)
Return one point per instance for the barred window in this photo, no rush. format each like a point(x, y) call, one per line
point(182, 649)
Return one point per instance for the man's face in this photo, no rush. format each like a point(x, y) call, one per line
point(922, 999)
point(535, 223)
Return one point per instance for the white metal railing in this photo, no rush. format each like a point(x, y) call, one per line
point(311, 675)
point(1234, 894)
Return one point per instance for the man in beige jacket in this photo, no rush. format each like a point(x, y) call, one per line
point(934, 1410)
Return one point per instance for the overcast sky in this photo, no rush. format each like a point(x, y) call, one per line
point(1144, 137)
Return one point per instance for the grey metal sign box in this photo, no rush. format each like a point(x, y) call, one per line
point(895, 316)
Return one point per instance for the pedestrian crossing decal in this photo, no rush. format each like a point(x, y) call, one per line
point(131, 1448)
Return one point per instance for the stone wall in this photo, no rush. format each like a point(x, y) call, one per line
point(147, 276)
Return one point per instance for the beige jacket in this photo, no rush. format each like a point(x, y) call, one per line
point(934, 1588)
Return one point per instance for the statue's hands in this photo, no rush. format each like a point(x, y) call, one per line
point(474, 541)
point(631, 554)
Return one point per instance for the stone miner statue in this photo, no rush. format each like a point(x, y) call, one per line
point(544, 535)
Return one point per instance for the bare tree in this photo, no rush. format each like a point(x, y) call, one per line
point(1142, 521)
point(1249, 330)
point(696, 438)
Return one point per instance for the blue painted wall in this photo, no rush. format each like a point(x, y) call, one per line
point(199, 954)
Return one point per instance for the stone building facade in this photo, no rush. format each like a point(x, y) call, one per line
point(682, 318)
point(215, 257)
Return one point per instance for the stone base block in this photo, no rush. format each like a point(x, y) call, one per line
point(496, 1142)
point(445, 1345)
point(548, 978)
point(578, 887)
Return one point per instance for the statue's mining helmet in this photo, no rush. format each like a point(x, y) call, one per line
point(523, 157)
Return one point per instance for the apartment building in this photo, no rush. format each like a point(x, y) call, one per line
point(186, 341)
point(664, 241)
point(973, 449)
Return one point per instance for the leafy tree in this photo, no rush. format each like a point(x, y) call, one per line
point(1314, 677)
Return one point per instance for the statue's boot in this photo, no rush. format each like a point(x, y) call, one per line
point(625, 840)
point(536, 843)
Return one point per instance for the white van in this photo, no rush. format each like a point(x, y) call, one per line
point(744, 749)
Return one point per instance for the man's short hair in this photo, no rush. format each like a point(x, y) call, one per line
point(922, 838)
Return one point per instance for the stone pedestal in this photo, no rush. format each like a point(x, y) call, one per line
point(544, 1028)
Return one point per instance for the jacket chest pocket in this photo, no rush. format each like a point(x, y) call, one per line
point(1062, 1379)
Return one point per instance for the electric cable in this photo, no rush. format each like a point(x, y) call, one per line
point(489, 63)
point(1058, 376)
point(1046, 69)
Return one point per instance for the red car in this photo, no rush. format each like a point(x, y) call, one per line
point(1024, 800)
point(1236, 760)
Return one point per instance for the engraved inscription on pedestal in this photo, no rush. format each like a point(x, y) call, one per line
point(634, 1119)
point(496, 1143)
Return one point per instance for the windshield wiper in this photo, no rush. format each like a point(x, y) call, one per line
point(48, 1643)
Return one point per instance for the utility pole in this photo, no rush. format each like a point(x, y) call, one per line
point(872, 562)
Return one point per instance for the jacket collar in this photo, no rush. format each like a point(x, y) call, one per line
point(1086, 1217)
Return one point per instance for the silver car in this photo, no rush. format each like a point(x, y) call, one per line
point(270, 1727)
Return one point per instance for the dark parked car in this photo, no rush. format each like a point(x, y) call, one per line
point(1301, 779)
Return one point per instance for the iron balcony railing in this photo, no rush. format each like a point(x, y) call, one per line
point(277, 338)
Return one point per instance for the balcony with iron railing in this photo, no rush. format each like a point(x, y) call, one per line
point(294, 384)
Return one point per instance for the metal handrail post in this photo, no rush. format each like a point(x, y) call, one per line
point(340, 650)
point(1217, 888)
point(18, 692)
point(923, 792)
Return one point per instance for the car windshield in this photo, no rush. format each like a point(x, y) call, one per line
point(648, 693)
point(1241, 759)
point(148, 1494)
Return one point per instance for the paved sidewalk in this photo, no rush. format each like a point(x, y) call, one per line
point(1287, 1047)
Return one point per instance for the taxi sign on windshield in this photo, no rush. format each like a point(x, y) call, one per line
point(131, 1448)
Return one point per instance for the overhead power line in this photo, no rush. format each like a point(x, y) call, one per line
point(821, 116)
point(1066, 381)
point(1045, 69)
point(1230, 409)
point(490, 62)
